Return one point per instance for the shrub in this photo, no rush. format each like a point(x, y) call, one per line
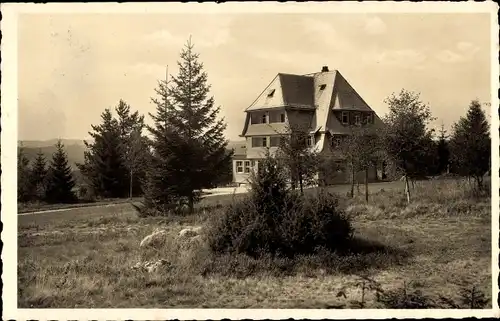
point(405, 298)
point(86, 193)
point(275, 220)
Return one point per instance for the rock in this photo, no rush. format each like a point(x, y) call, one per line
point(155, 266)
point(150, 266)
point(155, 239)
point(190, 232)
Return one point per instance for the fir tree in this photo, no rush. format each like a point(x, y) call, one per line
point(470, 144)
point(189, 144)
point(104, 165)
point(443, 152)
point(24, 188)
point(60, 182)
point(158, 195)
point(38, 176)
point(133, 145)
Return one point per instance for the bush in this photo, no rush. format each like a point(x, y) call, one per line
point(275, 220)
point(86, 193)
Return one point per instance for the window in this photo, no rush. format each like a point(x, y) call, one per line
point(270, 93)
point(247, 166)
point(264, 119)
point(253, 163)
point(322, 87)
point(259, 141)
point(309, 141)
point(282, 118)
point(239, 167)
point(357, 120)
point(345, 117)
point(335, 141)
point(369, 119)
point(275, 141)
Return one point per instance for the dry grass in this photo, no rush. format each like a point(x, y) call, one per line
point(441, 242)
point(41, 206)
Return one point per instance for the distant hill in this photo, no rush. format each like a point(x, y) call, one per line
point(74, 152)
point(50, 142)
point(74, 148)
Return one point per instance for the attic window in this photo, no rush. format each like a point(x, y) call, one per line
point(309, 141)
point(369, 119)
point(345, 117)
point(322, 87)
point(357, 120)
point(271, 93)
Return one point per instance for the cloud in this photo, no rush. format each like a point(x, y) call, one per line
point(449, 56)
point(326, 34)
point(406, 58)
point(467, 48)
point(465, 52)
point(215, 32)
point(375, 25)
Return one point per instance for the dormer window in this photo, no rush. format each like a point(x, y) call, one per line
point(271, 93)
point(335, 141)
point(264, 118)
point(345, 117)
point(369, 118)
point(282, 118)
point(322, 87)
point(309, 141)
point(357, 120)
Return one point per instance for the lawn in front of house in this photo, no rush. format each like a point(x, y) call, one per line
point(438, 245)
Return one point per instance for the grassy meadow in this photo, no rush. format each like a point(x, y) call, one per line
point(428, 252)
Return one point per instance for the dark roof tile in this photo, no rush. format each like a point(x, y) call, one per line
point(297, 90)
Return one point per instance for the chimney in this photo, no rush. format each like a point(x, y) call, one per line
point(324, 69)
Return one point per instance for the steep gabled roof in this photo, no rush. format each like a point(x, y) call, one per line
point(297, 90)
point(286, 90)
point(346, 97)
point(319, 92)
point(323, 97)
point(270, 97)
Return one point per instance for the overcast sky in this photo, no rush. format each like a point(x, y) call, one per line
point(71, 67)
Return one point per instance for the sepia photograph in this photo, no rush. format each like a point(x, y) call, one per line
point(301, 157)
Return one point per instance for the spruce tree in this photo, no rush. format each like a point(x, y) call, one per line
point(158, 194)
point(104, 165)
point(133, 145)
point(38, 176)
point(470, 144)
point(188, 139)
point(60, 181)
point(443, 152)
point(24, 188)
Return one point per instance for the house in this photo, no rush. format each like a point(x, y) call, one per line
point(324, 102)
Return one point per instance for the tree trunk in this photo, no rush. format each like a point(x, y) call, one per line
point(301, 184)
point(131, 183)
point(407, 189)
point(366, 185)
point(352, 180)
point(191, 203)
